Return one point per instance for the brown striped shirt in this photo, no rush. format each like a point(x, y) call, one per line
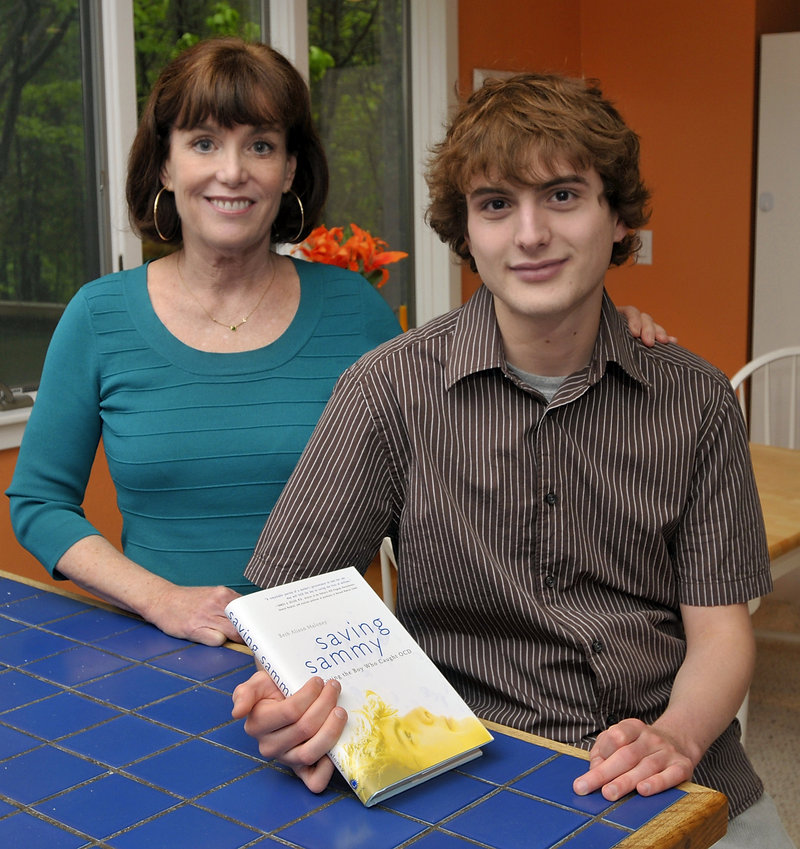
point(543, 549)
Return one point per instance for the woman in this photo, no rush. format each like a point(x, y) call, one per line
point(205, 371)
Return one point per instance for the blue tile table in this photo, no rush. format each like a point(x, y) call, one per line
point(115, 735)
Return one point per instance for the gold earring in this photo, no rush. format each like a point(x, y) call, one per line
point(155, 217)
point(302, 215)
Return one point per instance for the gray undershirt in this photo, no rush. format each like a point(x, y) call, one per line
point(547, 386)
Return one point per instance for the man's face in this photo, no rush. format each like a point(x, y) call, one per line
point(542, 250)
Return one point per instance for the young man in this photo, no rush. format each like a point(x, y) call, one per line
point(576, 522)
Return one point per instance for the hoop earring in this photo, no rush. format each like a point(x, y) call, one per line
point(302, 215)
point(155, 216)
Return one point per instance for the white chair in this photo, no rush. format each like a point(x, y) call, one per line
point(767, 389)
point(388, 567)
point(769, 382)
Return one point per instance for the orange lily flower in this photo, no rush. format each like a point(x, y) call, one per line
point(360, 252)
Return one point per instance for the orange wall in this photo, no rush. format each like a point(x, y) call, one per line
point(683, 74)
point(100, 506)
point(688, 87)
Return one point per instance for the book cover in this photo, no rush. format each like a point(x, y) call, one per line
point(405, 723)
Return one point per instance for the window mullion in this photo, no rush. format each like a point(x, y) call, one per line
point(119, 120)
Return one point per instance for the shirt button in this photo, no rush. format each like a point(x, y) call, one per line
point(551, 498)
point(550, 580)
point(612, 719)
point(597, 646)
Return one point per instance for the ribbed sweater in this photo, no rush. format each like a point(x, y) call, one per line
point(199, 445)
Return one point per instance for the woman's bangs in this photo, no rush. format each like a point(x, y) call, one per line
point(228, 101)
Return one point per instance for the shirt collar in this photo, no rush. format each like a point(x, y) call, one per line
point(477, 344)
point(615, 345)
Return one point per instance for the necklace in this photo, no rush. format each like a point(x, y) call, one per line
point(231, 327)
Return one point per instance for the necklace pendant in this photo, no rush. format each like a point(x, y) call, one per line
point(233, 327)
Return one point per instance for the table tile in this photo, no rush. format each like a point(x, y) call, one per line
point(192, 768)
point(505, 758)
point(17, 688)
point(21, 647)
point(58, 715)
point(440, 797)
point(23, 829)
point(234, 736)
point(440, 840)
point(42, 607)
point(509, 820)
point(597, 836)
point(636, 810)
point(179, 829)
point(347, 824)
point(122, 740)
point(553, 782)
point(41, 772)
point(76, 665)
point(14, 590)
point(13, 742)
point(265, 800)
point(135, 687)
point(202, 663)
point(107, 805)
point(141, 643)
point(228, 683)
point(93, 624)
point(195, 711)
point(8, 626)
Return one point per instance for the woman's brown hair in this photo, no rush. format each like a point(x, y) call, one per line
point(231, 82)
point(508, 126)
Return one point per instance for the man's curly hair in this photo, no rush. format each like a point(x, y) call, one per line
point(509, 127)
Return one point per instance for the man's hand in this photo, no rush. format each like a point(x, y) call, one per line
point(634, 756)
point(298, 731)
point(643, 326)
point(193, 613)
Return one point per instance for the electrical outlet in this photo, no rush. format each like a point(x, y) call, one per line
point(644, 256)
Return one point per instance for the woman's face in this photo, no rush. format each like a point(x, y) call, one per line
point(228, 184)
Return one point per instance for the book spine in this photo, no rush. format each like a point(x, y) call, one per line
point(257, 642)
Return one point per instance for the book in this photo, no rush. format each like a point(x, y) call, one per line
point(406, 723)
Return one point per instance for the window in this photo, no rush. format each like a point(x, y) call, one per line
point(49, 216)
point(358, 70)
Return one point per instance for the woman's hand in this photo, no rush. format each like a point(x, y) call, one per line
point(298, 731)
point(194, 613)
point(191, 613)
point(642, 326)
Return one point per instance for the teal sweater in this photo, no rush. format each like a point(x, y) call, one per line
point(199, 444)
